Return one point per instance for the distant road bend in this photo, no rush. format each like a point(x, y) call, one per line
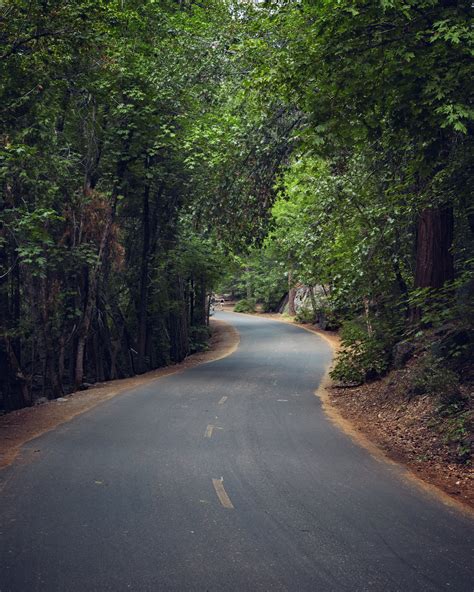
point(225, 477)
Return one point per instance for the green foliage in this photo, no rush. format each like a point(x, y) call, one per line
point(442, 306)
point(198, 338)
point(364, 355)
point(458, 431)
point(305, 315)
point(454, 418)
point(260, 273)
point(384, 134)
point(431, 377)
point(98, 187)
point(245, 305)
point(151, 152)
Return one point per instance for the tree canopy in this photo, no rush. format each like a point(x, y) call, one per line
point(147, 148)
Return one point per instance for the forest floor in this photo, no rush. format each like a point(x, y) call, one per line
point(409, 431)
point(381, 417)
point(19, 427)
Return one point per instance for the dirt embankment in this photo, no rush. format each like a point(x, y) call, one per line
point(407, 430)
point(380, 416)
point(21, 426)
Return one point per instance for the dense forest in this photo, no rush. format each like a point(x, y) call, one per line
point(154, 151)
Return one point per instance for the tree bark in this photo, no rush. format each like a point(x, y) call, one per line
point(434, 259)
point(142, 307)
point(91, 298)
point(18, 373)
point(248, 284)
point(291, 294)
point(314, 304)
point(52, 384)
point(178, 324)
point(199, 317)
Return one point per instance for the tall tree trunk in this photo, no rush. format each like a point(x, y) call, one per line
point(191, 302)
point(248, 284)
point(94, 153)
point(52, 383)
point(19, 374)
point(368, 323)
point(143, 303)
point(314, 304)
point(123, 335)
point(291, 294)
point(8, 396)
point(91, 299)
point(200, 303)
point(434, 259)
point(109, 346)
point(14, 384)
point(178, 323)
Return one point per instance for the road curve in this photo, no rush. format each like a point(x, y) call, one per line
point(226, 477)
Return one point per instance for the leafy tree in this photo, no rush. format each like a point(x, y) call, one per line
point(95, 172)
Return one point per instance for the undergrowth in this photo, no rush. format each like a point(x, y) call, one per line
point(363, 356)
point(246, 305)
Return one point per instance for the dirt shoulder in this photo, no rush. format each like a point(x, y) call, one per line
point(21, 426)
point(408, 431)
point(380, 417)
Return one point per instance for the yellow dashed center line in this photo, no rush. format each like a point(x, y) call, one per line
point(222, 494)
point(222, 401)
point(208, 432)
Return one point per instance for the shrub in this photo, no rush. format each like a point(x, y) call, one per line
point(328, 318)
point(458, 433)
point(362, 356)
point(433, 378)
point(305, 315)
point(198, 338)
point(245, 305)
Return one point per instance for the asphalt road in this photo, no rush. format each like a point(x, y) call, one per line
point(226, 477)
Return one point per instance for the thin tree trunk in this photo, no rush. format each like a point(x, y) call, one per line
point(108, 346)
point(178, 326)
point(61, 356)
point(200, 307)
point(91, 298)
point(313, 302)
point(191, 302)
point(18, 373)
point(248, 284)
point(368, 323)
point(52, 382)
point(142, 308)
point(122, 331)
point(291, 294)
